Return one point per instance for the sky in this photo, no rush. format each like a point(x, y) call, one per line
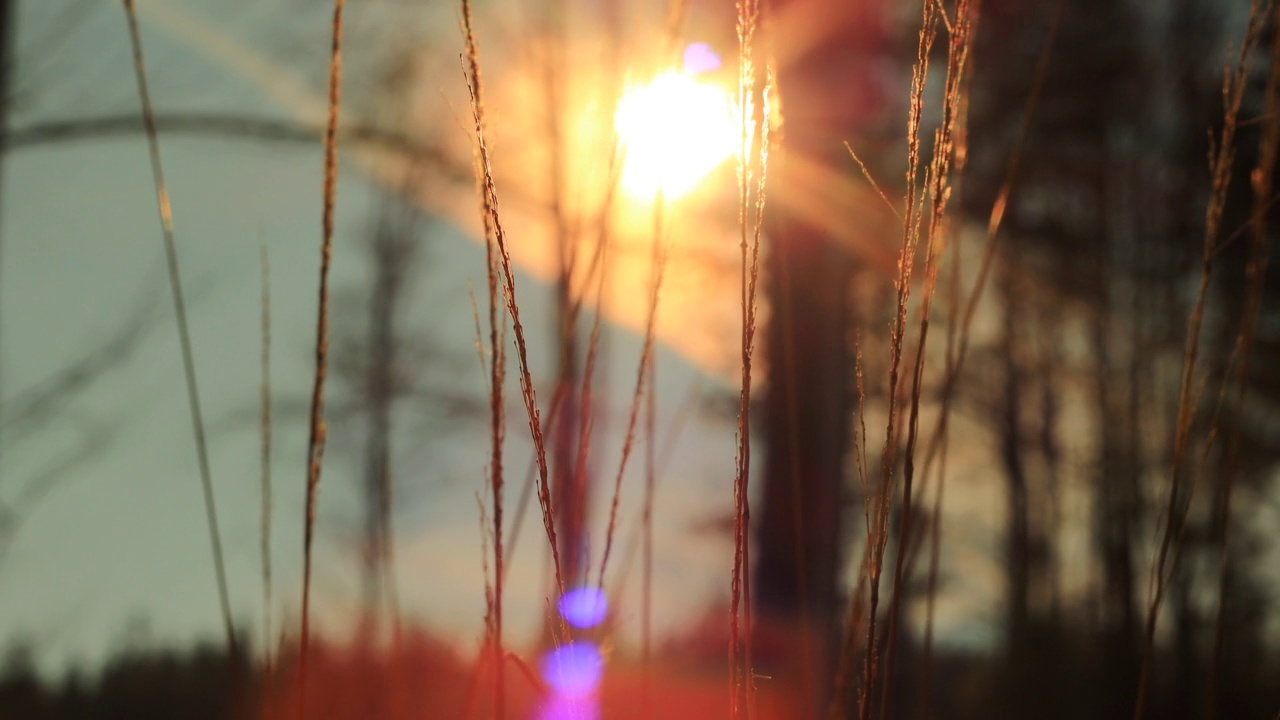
point(120, 541)
point(114, 548)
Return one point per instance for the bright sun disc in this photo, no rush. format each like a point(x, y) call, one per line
point(675, 130)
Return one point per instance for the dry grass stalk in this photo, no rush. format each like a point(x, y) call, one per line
point(646, 524)
point(597, 270)
point(496, 240)
point(1221, 160)
point(180, 312)
point(939, 185)
point(643, 372)
point(1255, 285)
point(958, 346)
point(878, 528)
point(754, 97)
point(316, 441)
point(530, 481)
point(497, 364)
point(958, 329)
point(265, 434)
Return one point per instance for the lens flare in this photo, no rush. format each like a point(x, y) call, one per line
point(573, 670)
point(584, 607)
point(570, 708)
point(700, 58)
point(675, 130)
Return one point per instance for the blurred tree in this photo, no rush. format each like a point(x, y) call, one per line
point(392, 249)
point(1107, 216)
point(827, 57)
point(49, 407)
point(394, 384)
point(22, 694)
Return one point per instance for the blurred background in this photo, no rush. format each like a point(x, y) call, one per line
point(1014, 396)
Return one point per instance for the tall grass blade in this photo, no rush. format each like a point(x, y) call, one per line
point(316, 442)
point(184, 334)
point(265, 433)
point(1255, 282)
point(1222, 159)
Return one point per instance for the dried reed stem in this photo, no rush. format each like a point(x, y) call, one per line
point(958, 337)
point(659, 264)
point(316, 441)
point(754, 95)
point(265, 433)
point(530, 481)
point(838, 708)
point(940, 175)
point(1222, 159)
point(497, 366)
point(184, 333)
point(878, 529)
point(496, 236)
point(1255, 285)
point(646, 524)
point(598, 268)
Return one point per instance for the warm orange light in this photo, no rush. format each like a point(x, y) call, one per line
point(674, 130)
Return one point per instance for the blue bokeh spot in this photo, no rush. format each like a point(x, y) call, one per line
point(584, 607)
point(573, 669)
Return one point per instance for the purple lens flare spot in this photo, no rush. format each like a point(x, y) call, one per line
point(573, 669)
point(700, 58)
point(584, 607)
point(563, 708)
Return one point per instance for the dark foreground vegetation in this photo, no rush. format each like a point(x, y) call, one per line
point(1064, 677)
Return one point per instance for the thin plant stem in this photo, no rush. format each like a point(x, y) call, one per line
point(753, 98)
point(497, 367)
point(878, 530)
point(318, 430)
point(184, 333)
point(265, 432)
point(530, 481)
point(650, 485)
point(599, 267)
point(940, 174)
point(664, 452)
point(496, 234)
point(659, 263)
point(1222, 158)
point(872, 180)
point(959, 347)
point(1255, 281)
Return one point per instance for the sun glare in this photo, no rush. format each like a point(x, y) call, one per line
point(675, 130)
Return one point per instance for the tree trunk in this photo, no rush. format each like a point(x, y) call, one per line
point(827, 96)
point(808, 412)
point(392, 250)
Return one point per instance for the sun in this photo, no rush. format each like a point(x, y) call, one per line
point(675, 130)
